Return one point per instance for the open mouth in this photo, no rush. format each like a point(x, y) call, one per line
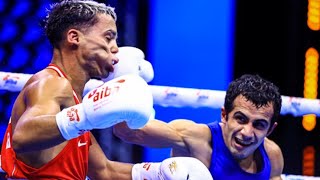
point(242, 142)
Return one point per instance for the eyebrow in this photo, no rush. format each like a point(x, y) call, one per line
point(241, 113)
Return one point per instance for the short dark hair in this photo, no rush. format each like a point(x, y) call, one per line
point(255, 89)
point(77, 14)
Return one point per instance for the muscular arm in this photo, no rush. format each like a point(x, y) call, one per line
point(276, 159)
point(33, 115)
point(183, 136)
point(102, 168)
point(155, 134)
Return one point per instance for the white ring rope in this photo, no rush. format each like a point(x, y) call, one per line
point(168, 96)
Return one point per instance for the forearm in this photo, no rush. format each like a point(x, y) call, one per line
point(164, 135)
point(121, 170)
point(36, 133)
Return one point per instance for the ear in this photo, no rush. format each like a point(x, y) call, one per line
point(272, 128)
point(223, 115)
point(73, 36)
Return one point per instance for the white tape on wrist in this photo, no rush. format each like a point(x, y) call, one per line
point(72, 122)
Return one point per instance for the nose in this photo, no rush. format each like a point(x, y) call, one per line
point(114, 50)
point(247, 131)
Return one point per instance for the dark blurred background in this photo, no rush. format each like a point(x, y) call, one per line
point(196, 44)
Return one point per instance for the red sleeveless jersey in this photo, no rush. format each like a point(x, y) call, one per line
point(71, 163)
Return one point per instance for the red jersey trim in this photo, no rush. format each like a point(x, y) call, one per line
point(62, 74)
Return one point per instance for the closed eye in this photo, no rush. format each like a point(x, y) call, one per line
point(111, 35)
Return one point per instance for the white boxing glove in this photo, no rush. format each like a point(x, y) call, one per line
point(146, 70)
point(91, 84)
point(128, 62)
point(131, 61)
point(175, 168)
point(126, 98)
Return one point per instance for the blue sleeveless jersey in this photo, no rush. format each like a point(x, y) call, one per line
point(224, 167)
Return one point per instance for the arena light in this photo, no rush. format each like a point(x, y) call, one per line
point(308, 163)
point(314, 15)
point(310, 85)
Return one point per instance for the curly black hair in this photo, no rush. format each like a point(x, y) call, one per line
point(255, 89)
point(78, 14)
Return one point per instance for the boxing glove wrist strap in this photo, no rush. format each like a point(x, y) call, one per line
point(148, 171)
point(72, 122)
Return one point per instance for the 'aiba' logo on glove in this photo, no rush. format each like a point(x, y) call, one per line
point(105, 90)
point(73, 114)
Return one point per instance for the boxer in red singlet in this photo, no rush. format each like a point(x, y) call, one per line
point(48, 136)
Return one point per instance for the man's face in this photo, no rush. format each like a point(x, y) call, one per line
point(98, 47)
point(246, 127)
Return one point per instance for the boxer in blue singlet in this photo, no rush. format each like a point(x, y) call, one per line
point(236, 147)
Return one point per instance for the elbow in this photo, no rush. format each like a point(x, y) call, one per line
point(18, 144)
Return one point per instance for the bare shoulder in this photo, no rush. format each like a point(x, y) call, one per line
point(272, 148)
point(197, 140)
point(276, 158)
point(44, 85)
point(44, 93)
point(44, 79)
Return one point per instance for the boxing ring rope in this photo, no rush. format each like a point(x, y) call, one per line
point(168, 96)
